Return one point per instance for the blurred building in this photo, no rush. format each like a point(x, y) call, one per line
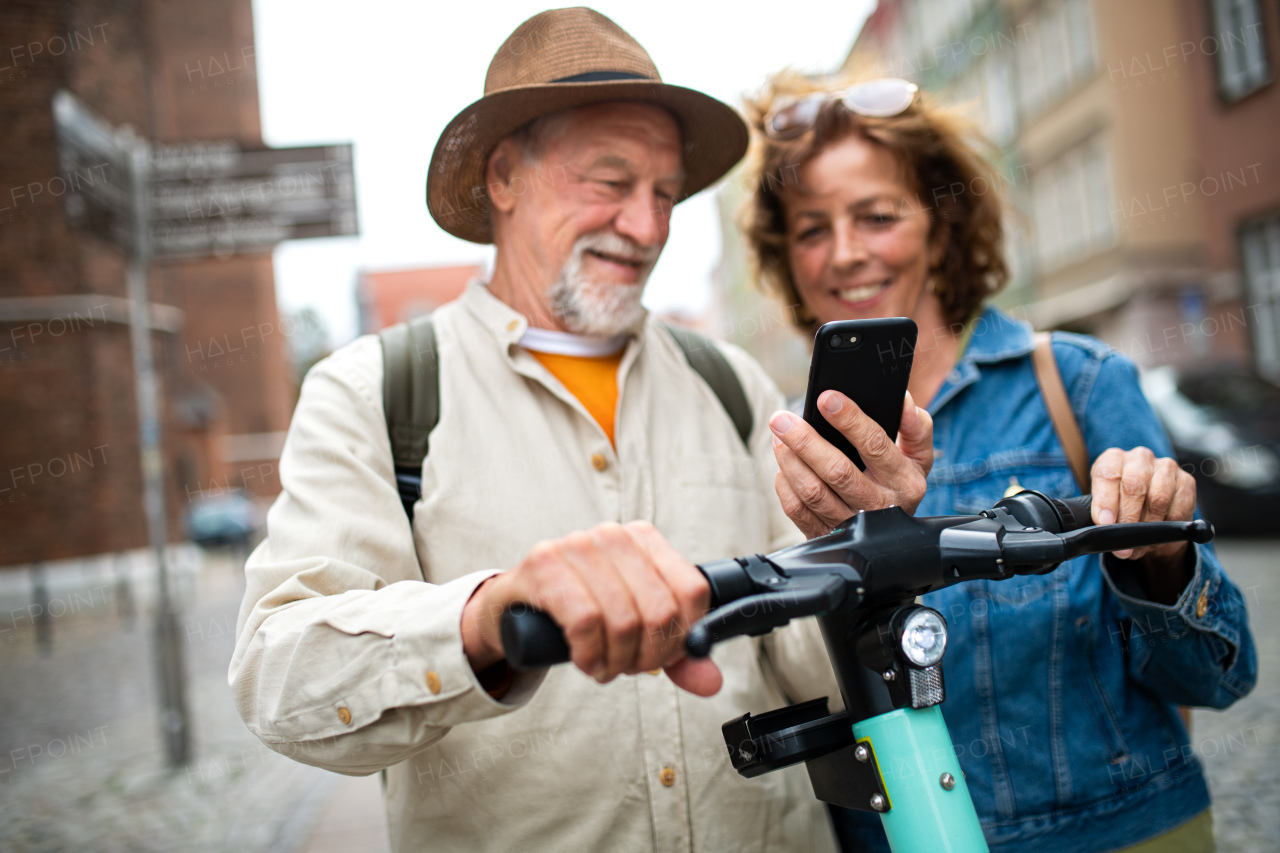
point(70, 481)
point(387, 297)
point(1142, 145)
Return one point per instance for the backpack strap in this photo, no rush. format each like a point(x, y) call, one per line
point(1061, 414)
point(709, 363)
point(410, 400)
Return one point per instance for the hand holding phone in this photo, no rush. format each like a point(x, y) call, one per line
point(869, 361)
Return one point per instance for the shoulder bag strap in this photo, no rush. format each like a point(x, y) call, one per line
point(1060, 411)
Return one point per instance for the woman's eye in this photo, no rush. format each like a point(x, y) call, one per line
point(881, 218)
point(809, 233)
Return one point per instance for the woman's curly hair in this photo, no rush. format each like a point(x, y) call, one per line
point(939, 150)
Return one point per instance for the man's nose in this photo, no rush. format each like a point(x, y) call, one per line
point(644, 219)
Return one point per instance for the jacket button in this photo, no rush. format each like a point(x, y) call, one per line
point(433, 681)
point(599, 462)
point(345, 716)
point(1202, 603)
point(513, 325)
point(667, 777)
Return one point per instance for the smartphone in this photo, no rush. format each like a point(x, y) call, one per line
point(869, 361)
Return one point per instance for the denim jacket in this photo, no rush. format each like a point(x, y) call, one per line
point(1061, 688)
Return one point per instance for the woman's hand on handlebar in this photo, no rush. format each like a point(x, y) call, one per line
point(819, 487)
point(623, 596)
point(1135, 485)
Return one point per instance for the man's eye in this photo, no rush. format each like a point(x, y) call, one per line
point(881, 218)
point(809, 233)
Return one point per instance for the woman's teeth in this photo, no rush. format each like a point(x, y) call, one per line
point(863, 293)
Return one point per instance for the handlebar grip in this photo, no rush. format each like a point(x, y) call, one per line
point(1077, 514)
point(531, 639)
point(1056, 515)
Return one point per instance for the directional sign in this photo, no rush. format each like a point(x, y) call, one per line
point(215, 199)
point(95, 175)
point(203, 198)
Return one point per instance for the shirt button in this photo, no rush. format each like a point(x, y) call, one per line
point(433, 681)
point(513, 325)
point(655, 672)
point(667, 777)
point(345, 716)
point(599, 462)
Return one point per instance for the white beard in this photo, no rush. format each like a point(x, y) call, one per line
point(600, 308)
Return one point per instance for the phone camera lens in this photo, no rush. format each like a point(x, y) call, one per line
point(835, 340)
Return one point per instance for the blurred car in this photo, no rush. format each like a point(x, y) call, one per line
point(227, 518)
point(1225, 428)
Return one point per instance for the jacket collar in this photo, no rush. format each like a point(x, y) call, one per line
point(996, 337)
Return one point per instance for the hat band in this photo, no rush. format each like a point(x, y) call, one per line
point(598, 76)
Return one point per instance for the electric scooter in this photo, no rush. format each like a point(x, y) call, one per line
point(889, 752)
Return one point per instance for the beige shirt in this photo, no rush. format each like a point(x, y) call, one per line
point(349, 656)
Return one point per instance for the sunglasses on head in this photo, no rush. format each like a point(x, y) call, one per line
point(888, 96)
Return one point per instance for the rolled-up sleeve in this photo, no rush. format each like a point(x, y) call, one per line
point(345, 658)
point(1199, 650)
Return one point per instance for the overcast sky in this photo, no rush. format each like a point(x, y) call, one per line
point(388, 75)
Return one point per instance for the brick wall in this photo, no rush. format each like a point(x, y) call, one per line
point(70, 481)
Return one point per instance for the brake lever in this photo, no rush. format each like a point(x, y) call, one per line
point(1051, 549)
point(761, 613)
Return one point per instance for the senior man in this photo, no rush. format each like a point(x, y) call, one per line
point(575, 445)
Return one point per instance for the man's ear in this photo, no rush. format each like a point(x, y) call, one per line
point(498, 174)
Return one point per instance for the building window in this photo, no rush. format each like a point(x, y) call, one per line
point(1057, 54)
point(1260, 247)
point(1071, 206)
point(1241, 47)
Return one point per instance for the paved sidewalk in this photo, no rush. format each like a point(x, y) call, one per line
point(1240, 747)
point(81, 763)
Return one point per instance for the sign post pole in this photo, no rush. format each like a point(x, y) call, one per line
point(170, 667)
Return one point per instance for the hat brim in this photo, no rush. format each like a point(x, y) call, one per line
point(714, 139)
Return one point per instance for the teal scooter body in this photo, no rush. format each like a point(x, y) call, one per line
point(930, 810)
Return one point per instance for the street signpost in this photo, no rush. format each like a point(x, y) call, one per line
point(220, 200)
point(185, 201)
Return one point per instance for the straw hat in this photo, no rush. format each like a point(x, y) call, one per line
point(555, 60)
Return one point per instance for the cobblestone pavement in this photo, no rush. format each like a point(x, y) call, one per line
point(1240, 747)
point(81, 761)
point(82, 767)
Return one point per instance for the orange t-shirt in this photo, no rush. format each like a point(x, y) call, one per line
point(592, 379)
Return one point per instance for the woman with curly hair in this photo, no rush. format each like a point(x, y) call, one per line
point(1062, 688)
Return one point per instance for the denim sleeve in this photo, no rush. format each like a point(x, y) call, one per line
point(1198, 651)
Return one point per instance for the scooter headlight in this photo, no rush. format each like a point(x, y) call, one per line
point(924, 637)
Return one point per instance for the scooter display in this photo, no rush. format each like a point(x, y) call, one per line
point(889, 752)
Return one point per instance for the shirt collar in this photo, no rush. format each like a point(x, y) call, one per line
point(565, 343)
point(996, 337)
point(504, 322)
